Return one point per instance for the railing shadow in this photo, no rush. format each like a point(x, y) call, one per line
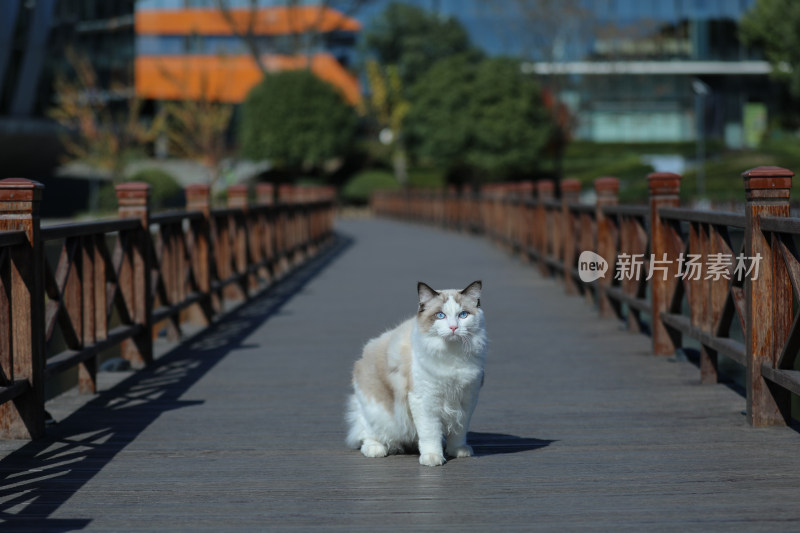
point(38, 478)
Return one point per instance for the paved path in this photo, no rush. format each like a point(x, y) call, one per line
point(241, 428)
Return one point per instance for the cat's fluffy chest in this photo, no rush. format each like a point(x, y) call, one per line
point(443, 377)
point(444, 368)
point(446, 362)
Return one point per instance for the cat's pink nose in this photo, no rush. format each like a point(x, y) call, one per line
point(453, 328)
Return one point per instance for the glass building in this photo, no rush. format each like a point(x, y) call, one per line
point(631, 70)
point(663, 71)
point(34, 36)
point(188, 47)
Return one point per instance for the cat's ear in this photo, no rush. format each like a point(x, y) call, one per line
point(473, 291)
point(426, 294)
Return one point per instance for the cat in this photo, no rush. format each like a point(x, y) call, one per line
point(419, 382)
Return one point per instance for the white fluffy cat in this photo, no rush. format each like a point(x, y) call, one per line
point(419, 382)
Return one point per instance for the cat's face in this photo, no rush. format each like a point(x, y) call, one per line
point(450, 314)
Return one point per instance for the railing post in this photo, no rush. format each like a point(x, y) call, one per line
point(23, 418)
point(265, 195)
point(607, 190)
point(134, 202)
point(665, 188)
point(237, 224)
point(545, 191)
point(570, 194)
point(285, 231)
point(85, 292)
point(768, 297)
point(198, 198)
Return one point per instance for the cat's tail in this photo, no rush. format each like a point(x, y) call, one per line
point(355, 423)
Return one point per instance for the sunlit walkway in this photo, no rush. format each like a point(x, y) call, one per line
point(241, 428)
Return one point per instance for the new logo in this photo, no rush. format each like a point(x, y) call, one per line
point(591, 267)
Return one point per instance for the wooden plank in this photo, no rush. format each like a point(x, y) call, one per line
point(70, 358)
point(789, 225)
point(101, 269)
point(791, 347)
point(733, 220)
point(12, 238)
point(173, 217)
point(584, 209)
point(637, 211)
point(791, 258)
point(728, 347)
point(14, 390)
point(554, 263)
point(162, 313)
point(737, 294)
point(82, 229)
point(6, 357)
point(788, 379)
point(640, 304)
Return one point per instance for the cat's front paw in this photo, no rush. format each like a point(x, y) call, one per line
point(374, 449)
point(431, 459)
point(461, 451)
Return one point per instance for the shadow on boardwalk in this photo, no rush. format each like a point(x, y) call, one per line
point(484, 444)
point(40, 476)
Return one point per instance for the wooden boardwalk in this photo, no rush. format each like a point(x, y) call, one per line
point(241, 429)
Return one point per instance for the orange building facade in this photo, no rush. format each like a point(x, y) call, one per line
point(197, 53)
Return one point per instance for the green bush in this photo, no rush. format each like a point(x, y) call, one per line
point(165, 192)
point(427, 178)
point(588, 150)
point(361, 186)
point(297, 121)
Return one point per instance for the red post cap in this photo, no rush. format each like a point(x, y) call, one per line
point(526, 188)
point(237, 195)
point(197, 193)
point(20, 190)
point(545, 187)
point(570, 185)
point(664, 183)
point(767, 178)
point(134, 193)
point(285, 193)
point(606, 185)
point(265, 192)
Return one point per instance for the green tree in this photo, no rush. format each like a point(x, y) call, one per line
point(773, 26)
point(297, 121)
point(484, 118)
point(414, 39)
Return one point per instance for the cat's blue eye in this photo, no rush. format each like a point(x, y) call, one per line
point(463, 314)
point(440, 315)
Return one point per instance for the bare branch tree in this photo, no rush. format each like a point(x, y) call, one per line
point(195, 126)
point(247, 33)
point(97, 132)
point(304, 35)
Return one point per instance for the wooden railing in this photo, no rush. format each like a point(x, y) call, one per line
point(118, 282)
point(728, 281)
